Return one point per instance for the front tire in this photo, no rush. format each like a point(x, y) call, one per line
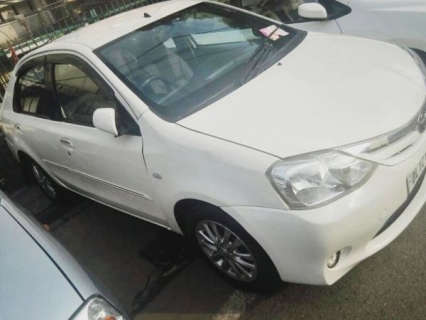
point(232, 252)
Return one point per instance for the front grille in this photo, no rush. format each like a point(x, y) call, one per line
point(402, 208)
point(399, 145)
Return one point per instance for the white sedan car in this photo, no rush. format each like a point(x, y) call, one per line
point(402, 22)
point(280, 153)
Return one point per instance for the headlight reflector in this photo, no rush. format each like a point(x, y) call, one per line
point(317, 179)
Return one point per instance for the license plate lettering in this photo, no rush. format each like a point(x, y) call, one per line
point(414, 175)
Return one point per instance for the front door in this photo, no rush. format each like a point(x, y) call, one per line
point(98, 165)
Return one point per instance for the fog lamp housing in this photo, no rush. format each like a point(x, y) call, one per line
point(334, 260)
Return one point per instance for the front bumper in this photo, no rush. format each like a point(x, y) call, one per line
point(358, 225)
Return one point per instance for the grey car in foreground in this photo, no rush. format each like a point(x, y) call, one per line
point(39, 280)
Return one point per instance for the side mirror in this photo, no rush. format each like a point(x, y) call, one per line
point(313, 11)
point(104, 120)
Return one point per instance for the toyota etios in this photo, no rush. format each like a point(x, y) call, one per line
point(281, 154)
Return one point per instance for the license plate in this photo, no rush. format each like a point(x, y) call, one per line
point(415, 174)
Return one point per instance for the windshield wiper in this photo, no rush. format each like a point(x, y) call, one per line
point(257, 58)
point(255, 61)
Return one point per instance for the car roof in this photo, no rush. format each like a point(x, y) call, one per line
point(109, 29)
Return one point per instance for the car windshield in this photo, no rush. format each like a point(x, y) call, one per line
point(186, 61)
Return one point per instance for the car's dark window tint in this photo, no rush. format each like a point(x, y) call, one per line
point(33, 92)
point(335, 9)
point(80, 93)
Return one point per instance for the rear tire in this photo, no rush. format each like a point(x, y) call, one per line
point(230, 250)
point(57, 194)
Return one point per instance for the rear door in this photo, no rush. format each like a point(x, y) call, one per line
point(32, 116)
point(103, 167)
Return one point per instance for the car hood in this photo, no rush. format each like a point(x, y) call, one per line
point(329, 91)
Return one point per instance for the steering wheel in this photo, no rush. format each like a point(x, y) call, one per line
point(155, 78)
point(125, 61)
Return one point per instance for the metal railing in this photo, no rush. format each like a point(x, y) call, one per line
point(40, 28)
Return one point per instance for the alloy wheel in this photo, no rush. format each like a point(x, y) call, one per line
point(226, 251)
point(44, 181)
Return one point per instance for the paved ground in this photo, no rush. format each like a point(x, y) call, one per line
point(152, 274)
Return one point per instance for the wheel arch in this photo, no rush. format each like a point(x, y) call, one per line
point(22, 156)
point(181, 211)
point(269, 277)
point(24, 160)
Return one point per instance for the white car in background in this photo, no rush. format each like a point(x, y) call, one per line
point(281, 154)
point(402, 22)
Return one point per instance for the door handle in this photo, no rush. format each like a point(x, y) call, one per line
point(66, 143)
point(17, 126)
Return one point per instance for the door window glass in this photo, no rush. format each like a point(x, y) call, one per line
point(80, 95)
point(33, 93)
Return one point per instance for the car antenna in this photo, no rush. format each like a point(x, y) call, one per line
point(146, 15)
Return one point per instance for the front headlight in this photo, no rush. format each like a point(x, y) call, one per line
point(97, 308)
point(317, 179)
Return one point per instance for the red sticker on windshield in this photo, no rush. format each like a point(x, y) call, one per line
point(273, 32)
